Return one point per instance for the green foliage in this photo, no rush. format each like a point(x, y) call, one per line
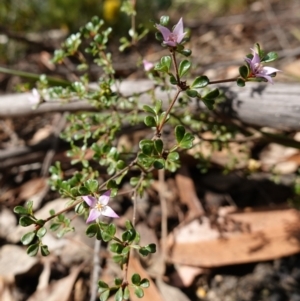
point(164, 64)
point(93, 138)
point(184, 67)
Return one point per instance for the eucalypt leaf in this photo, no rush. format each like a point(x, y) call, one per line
point(184, 140)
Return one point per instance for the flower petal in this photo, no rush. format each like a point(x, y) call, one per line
point(178, 29)
point(148, 65)
point(270, 70)
point(104, 198)
point(265, 76)
point(170, 43)
point(164, 31)
point(94, 214)
point(180, 37)
point(107, 211)
point(256, 58)
point(90, 200)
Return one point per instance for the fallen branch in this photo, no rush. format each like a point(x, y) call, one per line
point(276, 106)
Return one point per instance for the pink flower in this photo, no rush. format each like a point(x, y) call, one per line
point(148, 65)
point(257, 68)
point(172, 38)
point(99, 207)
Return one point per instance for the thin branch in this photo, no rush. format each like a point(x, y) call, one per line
point(158, 131)
point(164, 212)
point(96, 270)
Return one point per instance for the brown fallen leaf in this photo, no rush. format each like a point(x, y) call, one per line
point(14, 261)
point(274, 234)
point(171, 293)
point(187, 274)
point(6, 290)
point(25, 191)
point(151, 293)
point(187, 192)
point(59, 290)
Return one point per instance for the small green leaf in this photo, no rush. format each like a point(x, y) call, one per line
point(41, 232)
point(164, 64)
point(119, 294)
point(209, 103)
point(187, 141)
point(212, 94)
point(128, 225)
point(44, 250)
point(108, 234)
point(200, 82)
point(134, 181)
point(173, 80)
point(27, 238)
point(139, 292)
point(102, 286)
point(240, 82)
point(145, 160)
point(119, 259)
point(151, 248)
point(104, 295)
point(145, 283)
point(158, 106)
point(92, 230)
point(270, 57)
point(54, 227)
point(111, 184)
point(83, 190)
point(143, 251)
point(146, 146)
point(184, 67)
point(158, 144)
point(20, 210)
point(186, 52)
point(29, 206)
point(32, 250)
point(26, 221)
point(173, 156)
point(164, 20)
point(118, 281)
point(179, 133)
point(126, 293)
point(162, 116)
point(148, 109)
point(121, 164)
point(136, 279)
point(126, 250)
point(129, 235)
point(159, 163)
point(116, 248)
point(92, 185)
point(80, 208)
point(150, 121)
point(191, 93)
point(244, 71)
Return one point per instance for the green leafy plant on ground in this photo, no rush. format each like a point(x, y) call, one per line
point(99, 177)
